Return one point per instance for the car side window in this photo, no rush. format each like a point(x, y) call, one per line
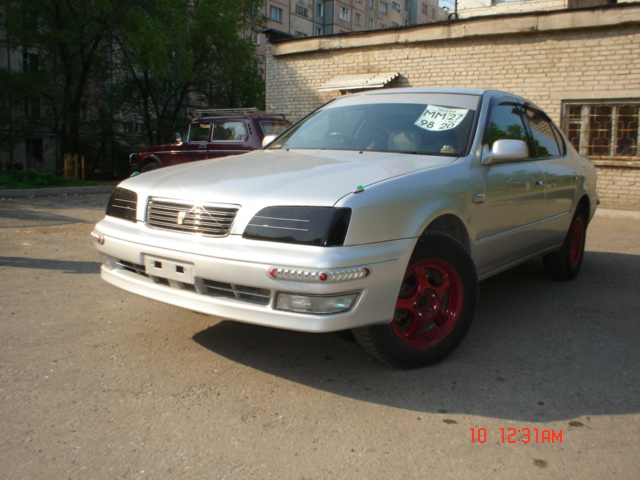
point(199, 132)
point(546, 140)
point(229, 130)
point(506, 121)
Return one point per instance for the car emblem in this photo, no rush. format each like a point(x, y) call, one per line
point(181, 216)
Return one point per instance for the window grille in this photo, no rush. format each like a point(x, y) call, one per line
point(603, 130)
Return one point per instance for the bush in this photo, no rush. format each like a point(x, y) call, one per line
point(16, 179)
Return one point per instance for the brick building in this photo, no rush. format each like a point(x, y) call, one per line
point(581, 66)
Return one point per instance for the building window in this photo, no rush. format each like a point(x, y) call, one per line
point(382, 25)
point(319, 31)
point(605, 129)
point(395, 6)
point(30, 62)
point(358, 19)
point(275, 14)
point(384, 8)
point(320, 9)
point(345, 14)
point(32, 106)
point(302, 11)
point(372, 3)
point(372, 24)
point(300, 34)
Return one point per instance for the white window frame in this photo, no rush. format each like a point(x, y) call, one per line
point(275, 14)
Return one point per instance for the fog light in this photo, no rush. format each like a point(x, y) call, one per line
point(316, 304)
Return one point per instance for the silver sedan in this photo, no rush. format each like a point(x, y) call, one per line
point(379, 212)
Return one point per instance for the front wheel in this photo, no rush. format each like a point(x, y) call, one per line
point(149, 166)
point(434, 309)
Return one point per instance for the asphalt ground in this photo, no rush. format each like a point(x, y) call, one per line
point(97, 383)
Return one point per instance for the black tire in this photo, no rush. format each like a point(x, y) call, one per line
point(565, 263)
point(435, 306)
point(150, 166)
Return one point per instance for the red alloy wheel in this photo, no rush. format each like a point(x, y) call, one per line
point(429, 303)
point(576, 242)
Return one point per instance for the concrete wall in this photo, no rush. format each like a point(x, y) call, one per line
point(546, 57)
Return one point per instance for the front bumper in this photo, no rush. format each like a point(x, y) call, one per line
point(230, 278)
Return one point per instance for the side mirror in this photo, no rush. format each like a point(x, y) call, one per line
point(268, 139)
point(178, 138)
point(506, 151)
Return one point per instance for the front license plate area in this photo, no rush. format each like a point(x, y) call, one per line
point(169, 269)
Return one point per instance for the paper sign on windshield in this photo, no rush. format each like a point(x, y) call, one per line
point(437, 118)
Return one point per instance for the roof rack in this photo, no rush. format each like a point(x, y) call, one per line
point(226, 111)
point(238, 111)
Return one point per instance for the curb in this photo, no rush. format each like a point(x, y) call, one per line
point(47, 192)
point(611, 213)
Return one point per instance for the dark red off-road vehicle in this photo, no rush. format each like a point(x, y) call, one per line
point(214, 133)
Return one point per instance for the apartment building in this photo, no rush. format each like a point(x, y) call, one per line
point(312, 18)
point(474, 8)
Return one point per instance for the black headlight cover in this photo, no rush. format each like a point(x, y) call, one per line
point(317, 226)
point(123, 204)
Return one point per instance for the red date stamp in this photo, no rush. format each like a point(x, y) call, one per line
point(519, 435)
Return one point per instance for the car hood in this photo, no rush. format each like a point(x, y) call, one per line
point(295, 177)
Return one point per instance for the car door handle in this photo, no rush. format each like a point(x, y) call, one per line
point(202, 147)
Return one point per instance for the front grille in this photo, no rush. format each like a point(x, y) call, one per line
point(213, 220)
point(242, 292)
point(132, 267)
point(204, 286)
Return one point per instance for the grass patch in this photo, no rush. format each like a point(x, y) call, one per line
point(20, 179)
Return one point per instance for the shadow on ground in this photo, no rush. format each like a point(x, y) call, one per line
point(539, 350)
point(66, 266)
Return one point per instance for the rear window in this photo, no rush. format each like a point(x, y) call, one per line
point(270, 127)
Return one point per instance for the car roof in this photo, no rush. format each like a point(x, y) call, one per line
point(460, 91)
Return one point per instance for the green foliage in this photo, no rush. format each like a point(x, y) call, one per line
point(175, 57)
point(106, 65)
point(20, 179)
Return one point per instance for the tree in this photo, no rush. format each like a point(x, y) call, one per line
point(66, 37)
point(102, 63)
point(172, 57)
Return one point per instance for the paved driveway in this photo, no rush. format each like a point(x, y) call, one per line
point(96, 383)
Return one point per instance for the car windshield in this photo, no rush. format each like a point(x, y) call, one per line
point(415, 123)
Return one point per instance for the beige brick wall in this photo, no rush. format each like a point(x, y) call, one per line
point(619, 184)
point(546, 57)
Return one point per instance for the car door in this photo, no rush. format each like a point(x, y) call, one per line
point(514, 198)
point(195, 146)
point(561, 175)
point(229, 137)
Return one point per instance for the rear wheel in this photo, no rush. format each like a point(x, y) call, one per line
point(565, 263)
point(434, 309)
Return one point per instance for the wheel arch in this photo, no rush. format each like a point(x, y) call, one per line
point(149, 159)
point(451, 225)
point(585, 205)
